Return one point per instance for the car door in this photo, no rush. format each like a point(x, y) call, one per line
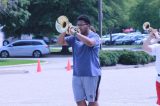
point(15, 49)
point(20, 48)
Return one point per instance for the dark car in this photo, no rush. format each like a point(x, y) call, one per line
point(44, 38)
point(54, 40)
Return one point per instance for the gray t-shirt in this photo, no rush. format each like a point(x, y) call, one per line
point(85, 58)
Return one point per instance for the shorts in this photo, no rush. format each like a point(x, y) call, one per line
point(85, 88)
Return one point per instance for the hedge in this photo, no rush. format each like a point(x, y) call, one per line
point(126, 57)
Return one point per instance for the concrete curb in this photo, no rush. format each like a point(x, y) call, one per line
point(119, 66)
point(13, 72)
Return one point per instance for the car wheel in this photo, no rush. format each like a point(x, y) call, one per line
point(4, 54)
point(5, 42)
point(37, 54)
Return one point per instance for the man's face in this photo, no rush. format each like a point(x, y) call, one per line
point(83, 26)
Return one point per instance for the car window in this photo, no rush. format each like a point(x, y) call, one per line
point(23, 43)
point(36, 43)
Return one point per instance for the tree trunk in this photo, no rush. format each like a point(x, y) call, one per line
point(110, 34)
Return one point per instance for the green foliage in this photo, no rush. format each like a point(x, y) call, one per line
point(146, 10)
point(129, 57)
point(109, 58)
point(15, 16)
point(38, 16)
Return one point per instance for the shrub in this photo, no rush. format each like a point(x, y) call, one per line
point(110, 58)
point(129, 58)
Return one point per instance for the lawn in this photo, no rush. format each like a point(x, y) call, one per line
point(6, 62)
point(58, 48)
point(122, 46)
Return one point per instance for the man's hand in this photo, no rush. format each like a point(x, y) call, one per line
point(155, 34)
point(72, 31)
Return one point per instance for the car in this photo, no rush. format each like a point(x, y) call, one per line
point(114, 38)
point(9, 40)
point(104, 39)
point(35, 48)
point(122, 40)
point(54, 40)
point(44, 38)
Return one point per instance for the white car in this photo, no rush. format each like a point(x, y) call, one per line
point(35, 48)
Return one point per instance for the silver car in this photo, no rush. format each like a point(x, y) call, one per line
point(35, 48)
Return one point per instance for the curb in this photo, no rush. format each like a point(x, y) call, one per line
point(119, 66)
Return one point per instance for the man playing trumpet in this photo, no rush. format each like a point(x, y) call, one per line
point(154, 49)
point(86, 66)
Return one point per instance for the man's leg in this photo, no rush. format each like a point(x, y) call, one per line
point(96, 102)
point(78, 91)
point(82, 103)
point(91, 85)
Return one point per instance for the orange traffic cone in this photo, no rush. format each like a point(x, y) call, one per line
point(39, 66)
point(68, 65)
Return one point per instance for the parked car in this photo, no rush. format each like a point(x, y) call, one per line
point(104, 39)
point(9, 40)
point(121, 41)
point(54, 40)
point(114, 38)
point(44, 38)
point(35, 48)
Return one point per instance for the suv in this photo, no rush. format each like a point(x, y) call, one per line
point(35, 48)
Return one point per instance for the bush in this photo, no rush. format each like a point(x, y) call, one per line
point(110, 58)
point(129, 58)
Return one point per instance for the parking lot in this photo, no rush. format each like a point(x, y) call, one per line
point(135, 38)
point(120, 86)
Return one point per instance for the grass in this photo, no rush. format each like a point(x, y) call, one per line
point(58, 48)
point(122, 46)
point(7, 62)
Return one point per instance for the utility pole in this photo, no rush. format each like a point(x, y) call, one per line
point(100, 18)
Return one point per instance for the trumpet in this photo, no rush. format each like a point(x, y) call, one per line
point(62, 25)
point(147, 27)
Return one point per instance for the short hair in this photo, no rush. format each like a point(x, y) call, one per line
point(84, 18)
point(92, 28)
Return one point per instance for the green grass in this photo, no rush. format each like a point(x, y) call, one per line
point(58, 49)
point(7, 62)
point(122, 46)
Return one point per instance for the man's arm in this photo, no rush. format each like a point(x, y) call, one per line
point(89, 42)
point(61, 39)
point(146, 44)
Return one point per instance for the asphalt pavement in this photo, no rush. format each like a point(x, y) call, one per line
point(120, 86)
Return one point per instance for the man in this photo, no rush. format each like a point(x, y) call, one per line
point(154, 49)
point(86, 66)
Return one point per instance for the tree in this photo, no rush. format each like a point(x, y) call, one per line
point(14, 16)
point(146, 10)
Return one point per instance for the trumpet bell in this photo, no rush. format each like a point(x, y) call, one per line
point(146, 26)
point(62, 24)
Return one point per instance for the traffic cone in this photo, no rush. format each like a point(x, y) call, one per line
point(39, 66)
point(68, 65)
